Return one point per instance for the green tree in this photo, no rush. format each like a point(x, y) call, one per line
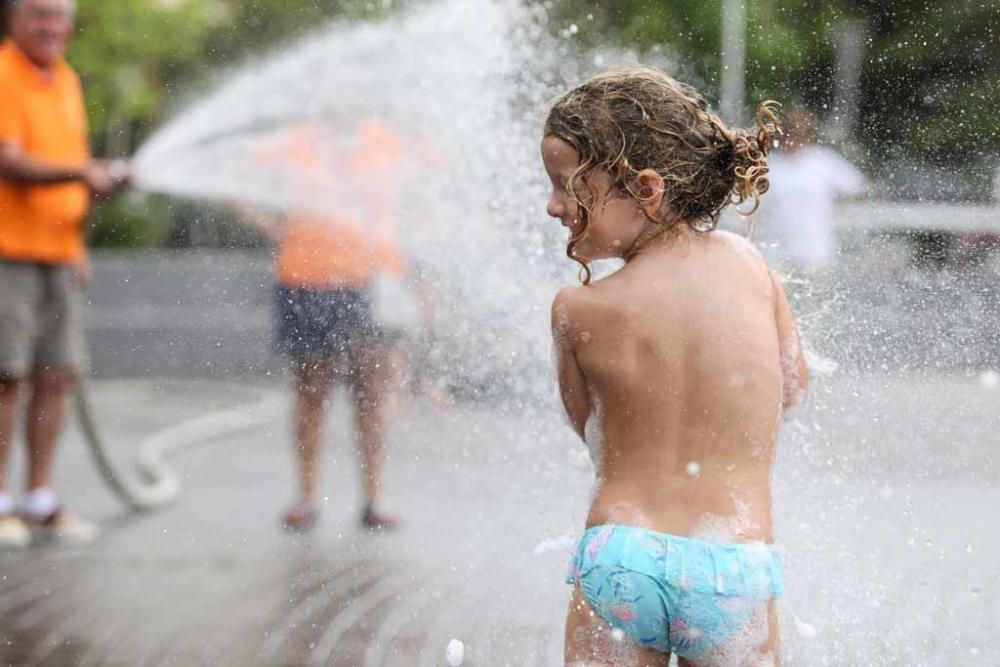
point(930, 75)
point(255, 26)
point(131, 56)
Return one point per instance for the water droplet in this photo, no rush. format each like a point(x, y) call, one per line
point(455, 653)
point(805, 630)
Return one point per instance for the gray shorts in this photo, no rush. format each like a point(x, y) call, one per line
point(41, 319)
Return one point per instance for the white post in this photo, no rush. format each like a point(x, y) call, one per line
point(734, 48)
point(851, 39)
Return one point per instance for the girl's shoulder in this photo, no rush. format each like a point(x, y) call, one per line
point(575, 304)
point(741, 244)
point(570, 298)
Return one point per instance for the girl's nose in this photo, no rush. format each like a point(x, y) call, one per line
point(555, 208)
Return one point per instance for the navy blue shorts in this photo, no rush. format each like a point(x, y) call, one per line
point(317, 324)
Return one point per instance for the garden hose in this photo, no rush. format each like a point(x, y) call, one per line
point(158, 483)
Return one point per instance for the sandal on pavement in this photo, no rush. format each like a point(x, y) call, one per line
point(62, 526)
point(377, 521)
point(300, 518)
point(13, 533)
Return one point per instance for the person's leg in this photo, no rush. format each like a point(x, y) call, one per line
point(370, 375)
point(13, 532)
point(591, 642)
point(59, 357)
point(756, 644)
point(398, 393)
point(10, 389)
point(767, 652)
point(40, 507)
point(46, 412)
point(301, 333)
point(369, 386)
point(20, 323)
point(312, 387)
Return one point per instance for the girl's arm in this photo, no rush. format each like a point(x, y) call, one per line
point(795, 372)
point(572, 384)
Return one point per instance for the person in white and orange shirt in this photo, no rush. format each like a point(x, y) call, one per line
point(47, 178)
point(330, 254)
point(797, 221)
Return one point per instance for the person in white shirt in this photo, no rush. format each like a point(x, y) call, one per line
point(795, 224)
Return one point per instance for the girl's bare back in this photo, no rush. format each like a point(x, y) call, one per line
point(680, 357)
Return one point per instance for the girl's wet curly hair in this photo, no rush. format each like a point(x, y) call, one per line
point(630, 119)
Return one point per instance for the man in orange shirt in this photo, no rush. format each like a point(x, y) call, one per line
point(47, 178)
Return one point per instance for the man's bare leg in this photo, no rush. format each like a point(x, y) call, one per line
point(13, 532)
point(312, 387)
point(46, 413)
point(10, 389)
point(370, 375)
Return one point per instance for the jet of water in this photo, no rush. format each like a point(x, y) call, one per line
point(460, 86)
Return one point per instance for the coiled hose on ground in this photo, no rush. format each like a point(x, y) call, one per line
point(158, 483)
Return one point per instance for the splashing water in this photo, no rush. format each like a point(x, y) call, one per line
point(449, 80)
point(464, 83)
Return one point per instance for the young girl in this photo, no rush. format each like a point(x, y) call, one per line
point(674, 369)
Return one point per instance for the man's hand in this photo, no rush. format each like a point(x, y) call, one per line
point(97, 176)
point(103, 177)
point(121, 173)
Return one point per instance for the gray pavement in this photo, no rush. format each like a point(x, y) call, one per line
point(182, 314)
point(886, 500)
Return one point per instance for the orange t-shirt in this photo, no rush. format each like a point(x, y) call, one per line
point(43, 114)
point(321, 252)
point(324, 250)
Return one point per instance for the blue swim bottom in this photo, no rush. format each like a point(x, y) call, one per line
point(674, 594)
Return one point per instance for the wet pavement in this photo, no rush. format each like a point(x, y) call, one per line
point(214, 580)
point(886, 499)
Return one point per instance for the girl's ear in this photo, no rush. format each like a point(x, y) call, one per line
point(650, 188)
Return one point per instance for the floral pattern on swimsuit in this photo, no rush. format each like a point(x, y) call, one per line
point(674, 594)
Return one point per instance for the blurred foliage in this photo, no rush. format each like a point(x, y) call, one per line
point(134, 55)
point(130, 55)
point(252, 26)
point(130, 221)
point(930, 71)
point(930, 74)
